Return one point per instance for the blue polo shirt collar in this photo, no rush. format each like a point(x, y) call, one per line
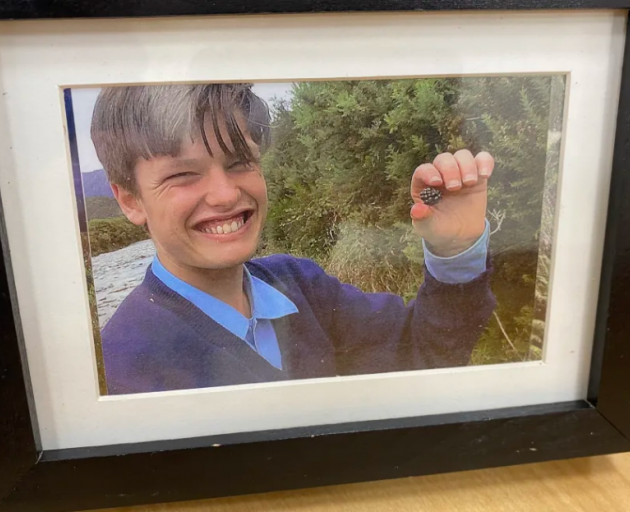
point(267, 303)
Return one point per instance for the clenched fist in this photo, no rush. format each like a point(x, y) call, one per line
point(457, 221)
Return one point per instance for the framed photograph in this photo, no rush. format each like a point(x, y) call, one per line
point(293, 246)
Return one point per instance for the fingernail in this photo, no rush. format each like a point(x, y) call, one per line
point(484, 172)
point(454, 184)
point(470, 177)
point(435, 180)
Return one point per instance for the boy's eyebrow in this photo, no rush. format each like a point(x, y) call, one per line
point(180, 163)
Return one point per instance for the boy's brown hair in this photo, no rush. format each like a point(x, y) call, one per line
point(136, 122)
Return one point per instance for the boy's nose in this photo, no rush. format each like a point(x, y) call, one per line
point(221, 190)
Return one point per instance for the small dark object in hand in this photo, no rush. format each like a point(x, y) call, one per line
point(430, 196)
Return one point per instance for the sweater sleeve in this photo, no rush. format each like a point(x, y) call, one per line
point(377, 332)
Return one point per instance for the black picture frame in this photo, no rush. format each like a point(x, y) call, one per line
point(36, 480)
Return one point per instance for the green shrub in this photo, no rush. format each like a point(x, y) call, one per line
point(338, 175)
point(378, 259)
point(107, 235)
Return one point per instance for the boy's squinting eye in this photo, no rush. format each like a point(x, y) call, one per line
point(179, 175)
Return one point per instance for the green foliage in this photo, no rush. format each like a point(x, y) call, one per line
point(515, 314)
point(102, 207)
point(96, 330)
point(509, 117)
point(339, 169)
point(107, 235)
point(376, 259)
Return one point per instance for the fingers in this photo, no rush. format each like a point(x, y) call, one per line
point(452, 171)
point(447, 166)
point(485, 164)
point(428, 175)
point(467, 167)
point(459, 169)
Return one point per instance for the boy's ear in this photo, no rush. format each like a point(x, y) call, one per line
point(130, 205)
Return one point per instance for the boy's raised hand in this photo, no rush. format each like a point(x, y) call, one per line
point(456, 222)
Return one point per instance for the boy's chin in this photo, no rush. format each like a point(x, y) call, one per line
point(234, 259)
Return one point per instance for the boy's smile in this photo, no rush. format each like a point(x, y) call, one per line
point(204, 212)
point(221, 226)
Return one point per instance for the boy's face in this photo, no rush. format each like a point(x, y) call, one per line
point(203, 212)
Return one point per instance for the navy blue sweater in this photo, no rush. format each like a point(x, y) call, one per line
point(158, 341)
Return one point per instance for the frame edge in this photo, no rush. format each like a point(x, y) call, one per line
point(62, 483)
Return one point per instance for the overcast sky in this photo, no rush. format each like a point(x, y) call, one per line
point(83, 100)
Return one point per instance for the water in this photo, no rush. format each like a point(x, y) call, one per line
point(117, 273)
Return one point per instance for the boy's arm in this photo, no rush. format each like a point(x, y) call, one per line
point(453, 306)
point(377, 332)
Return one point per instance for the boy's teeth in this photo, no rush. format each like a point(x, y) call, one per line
point(226, 228)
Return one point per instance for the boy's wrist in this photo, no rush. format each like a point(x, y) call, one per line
point(448, 250)
point(463, 266)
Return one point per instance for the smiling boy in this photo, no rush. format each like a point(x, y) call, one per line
point(184, 161)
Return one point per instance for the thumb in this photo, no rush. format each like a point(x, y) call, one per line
point(420, 211)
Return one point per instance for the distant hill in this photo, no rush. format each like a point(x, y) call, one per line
point(102, 208)
point(95, 184)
